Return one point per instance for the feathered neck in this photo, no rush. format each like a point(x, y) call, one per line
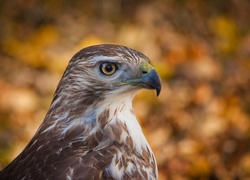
point(113, 118)
point(118, 121)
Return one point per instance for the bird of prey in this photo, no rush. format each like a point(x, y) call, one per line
point(90, 130)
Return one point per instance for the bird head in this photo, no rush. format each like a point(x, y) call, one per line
point(106, 71)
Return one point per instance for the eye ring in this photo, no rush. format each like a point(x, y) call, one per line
point(108, 68)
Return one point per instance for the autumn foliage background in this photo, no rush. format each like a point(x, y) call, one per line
point(199, 126)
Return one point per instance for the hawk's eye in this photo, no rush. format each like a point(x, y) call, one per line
point(108, 68)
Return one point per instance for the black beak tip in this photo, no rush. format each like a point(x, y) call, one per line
point(152, 81)
point(158, 90)
point(156, 82)
point(157, 85)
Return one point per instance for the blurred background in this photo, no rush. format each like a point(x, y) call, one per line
point(199, 126)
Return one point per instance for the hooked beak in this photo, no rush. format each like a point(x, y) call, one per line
point(152, 81)
point(147, 78)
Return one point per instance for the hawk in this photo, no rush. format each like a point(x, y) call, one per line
point(90, 130)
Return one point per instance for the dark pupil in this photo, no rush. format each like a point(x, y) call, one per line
point(108, 68)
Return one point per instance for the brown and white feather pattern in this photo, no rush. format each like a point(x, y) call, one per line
point(90, 130)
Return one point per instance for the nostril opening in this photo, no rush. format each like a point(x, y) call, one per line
point(144, 72)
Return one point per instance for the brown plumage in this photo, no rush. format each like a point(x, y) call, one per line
point(90, 130)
